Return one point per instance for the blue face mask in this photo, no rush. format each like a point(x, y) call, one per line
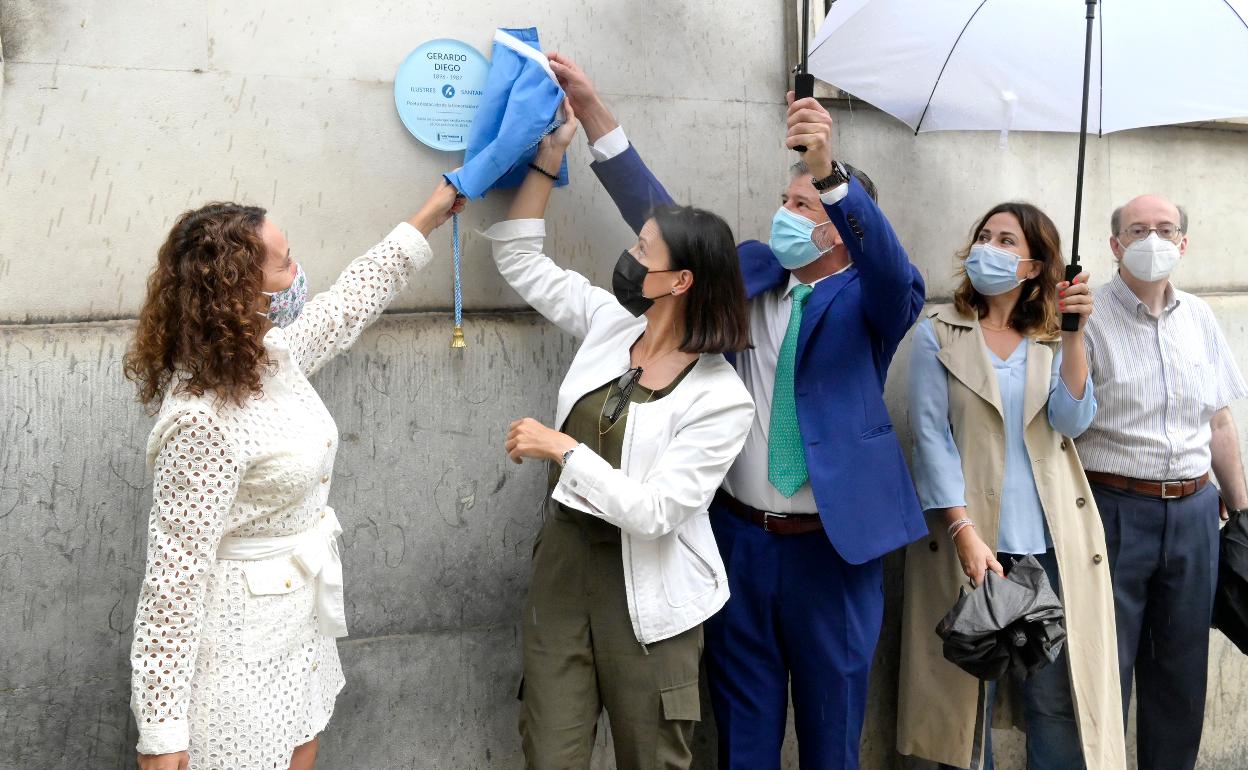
point(284, 305)
point(791, 240)
point(992, 270)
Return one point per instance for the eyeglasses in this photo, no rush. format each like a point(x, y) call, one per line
point(1167, 230)
point(618, 400)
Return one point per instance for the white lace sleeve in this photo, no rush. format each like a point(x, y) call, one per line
point(332, 321)
point(195, 480)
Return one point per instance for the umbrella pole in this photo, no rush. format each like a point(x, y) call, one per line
point(803, 82)
point(1070, 321)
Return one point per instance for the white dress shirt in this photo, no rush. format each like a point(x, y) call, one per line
point(1159, 380)
point(748, 479)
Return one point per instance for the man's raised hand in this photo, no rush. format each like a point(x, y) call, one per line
point(810, 125)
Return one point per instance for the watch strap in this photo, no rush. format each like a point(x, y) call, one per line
point(838, 177)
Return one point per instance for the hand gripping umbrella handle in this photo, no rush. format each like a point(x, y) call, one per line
point(803, 88)
point(1070, 321)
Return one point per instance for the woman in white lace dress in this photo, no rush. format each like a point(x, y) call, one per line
point(234, 661)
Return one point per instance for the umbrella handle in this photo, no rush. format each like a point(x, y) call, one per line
point(1070, 321)
point(803, 88)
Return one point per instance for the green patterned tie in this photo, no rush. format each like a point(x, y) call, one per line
point(786, 457)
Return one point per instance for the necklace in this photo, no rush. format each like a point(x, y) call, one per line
point(658, 358)
point(602, 415)
point(1008, 326)
point(602, 412)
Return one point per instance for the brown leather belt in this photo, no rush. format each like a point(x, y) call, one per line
point(1165, 490)
point(775, 523)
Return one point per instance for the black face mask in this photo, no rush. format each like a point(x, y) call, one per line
point(627, 284)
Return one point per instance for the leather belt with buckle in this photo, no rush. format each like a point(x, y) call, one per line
point(774, 523)
point(1163, 490)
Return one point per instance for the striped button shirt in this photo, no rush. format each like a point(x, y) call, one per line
point(1159, 381)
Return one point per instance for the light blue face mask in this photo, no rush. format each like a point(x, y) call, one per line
point(992, 270)
point(791, 239)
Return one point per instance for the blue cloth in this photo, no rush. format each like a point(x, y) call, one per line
point(518, 108)
point(1163, 559)
point(938, 464)
point(797, 608)
point(861, 483)
point(1053, 741)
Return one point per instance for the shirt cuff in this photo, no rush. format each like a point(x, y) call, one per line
point(609, 145)
point(835, 195)
point(1068, 396)
point(164, 738)
point(580, 473)
point(516, 228)
point(410, 240)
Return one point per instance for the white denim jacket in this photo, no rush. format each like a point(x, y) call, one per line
point(676, 450)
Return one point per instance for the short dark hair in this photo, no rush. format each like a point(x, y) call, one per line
point(716, 315)
point(1115, 219)
point(800, 167)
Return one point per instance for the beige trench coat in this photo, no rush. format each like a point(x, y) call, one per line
point(937, 708)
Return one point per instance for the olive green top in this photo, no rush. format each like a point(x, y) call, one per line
point(589, 422)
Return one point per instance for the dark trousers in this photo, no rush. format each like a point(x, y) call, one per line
point(1163, 556)
point(798, 612)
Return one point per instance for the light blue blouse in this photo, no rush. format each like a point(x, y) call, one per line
point(937, 462)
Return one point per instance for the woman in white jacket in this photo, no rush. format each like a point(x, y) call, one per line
point(650, 417)
point(234, 661)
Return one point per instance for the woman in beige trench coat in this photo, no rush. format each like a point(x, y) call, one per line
point(995, 394)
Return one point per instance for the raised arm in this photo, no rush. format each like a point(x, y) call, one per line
point(566, 298)
point(893, 288)
point(333, 320)
point(634, 190)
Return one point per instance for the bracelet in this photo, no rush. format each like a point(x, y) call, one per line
point(544, 172)
point(958, 526)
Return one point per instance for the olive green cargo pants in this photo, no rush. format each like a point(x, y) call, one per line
point(581, 655)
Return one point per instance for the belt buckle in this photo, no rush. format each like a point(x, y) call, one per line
point(1165, 485)
point(768, 516)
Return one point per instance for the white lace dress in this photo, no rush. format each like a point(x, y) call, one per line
point(228, 659)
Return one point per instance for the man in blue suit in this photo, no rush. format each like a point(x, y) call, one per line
point(820, 492)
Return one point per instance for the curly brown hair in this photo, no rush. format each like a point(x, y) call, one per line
point(1036, 311)
point(199, 330)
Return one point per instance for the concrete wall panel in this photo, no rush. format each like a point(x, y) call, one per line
point(116, 116)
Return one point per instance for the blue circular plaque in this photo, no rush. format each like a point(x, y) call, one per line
point(437, 91)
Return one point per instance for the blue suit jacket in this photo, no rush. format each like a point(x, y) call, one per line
point(850, 330)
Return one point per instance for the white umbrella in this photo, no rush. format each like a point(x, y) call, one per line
point(972, 65)
point(1026, 65)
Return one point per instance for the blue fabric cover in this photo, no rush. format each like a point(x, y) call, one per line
point(518, 108)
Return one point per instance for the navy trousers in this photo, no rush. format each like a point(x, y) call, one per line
point(798, 611)
point(1163, 556)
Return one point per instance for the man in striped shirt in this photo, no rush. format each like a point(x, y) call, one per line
point(1164, 378)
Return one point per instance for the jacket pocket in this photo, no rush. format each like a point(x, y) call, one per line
point(698, 559)
point(879, 430)
point(278, 614)
point(688, 573)
point(682, 703)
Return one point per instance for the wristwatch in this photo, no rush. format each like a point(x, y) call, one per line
point(838, 177)
point(566, 455)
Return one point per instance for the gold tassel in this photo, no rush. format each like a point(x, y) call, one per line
point(457, 337)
